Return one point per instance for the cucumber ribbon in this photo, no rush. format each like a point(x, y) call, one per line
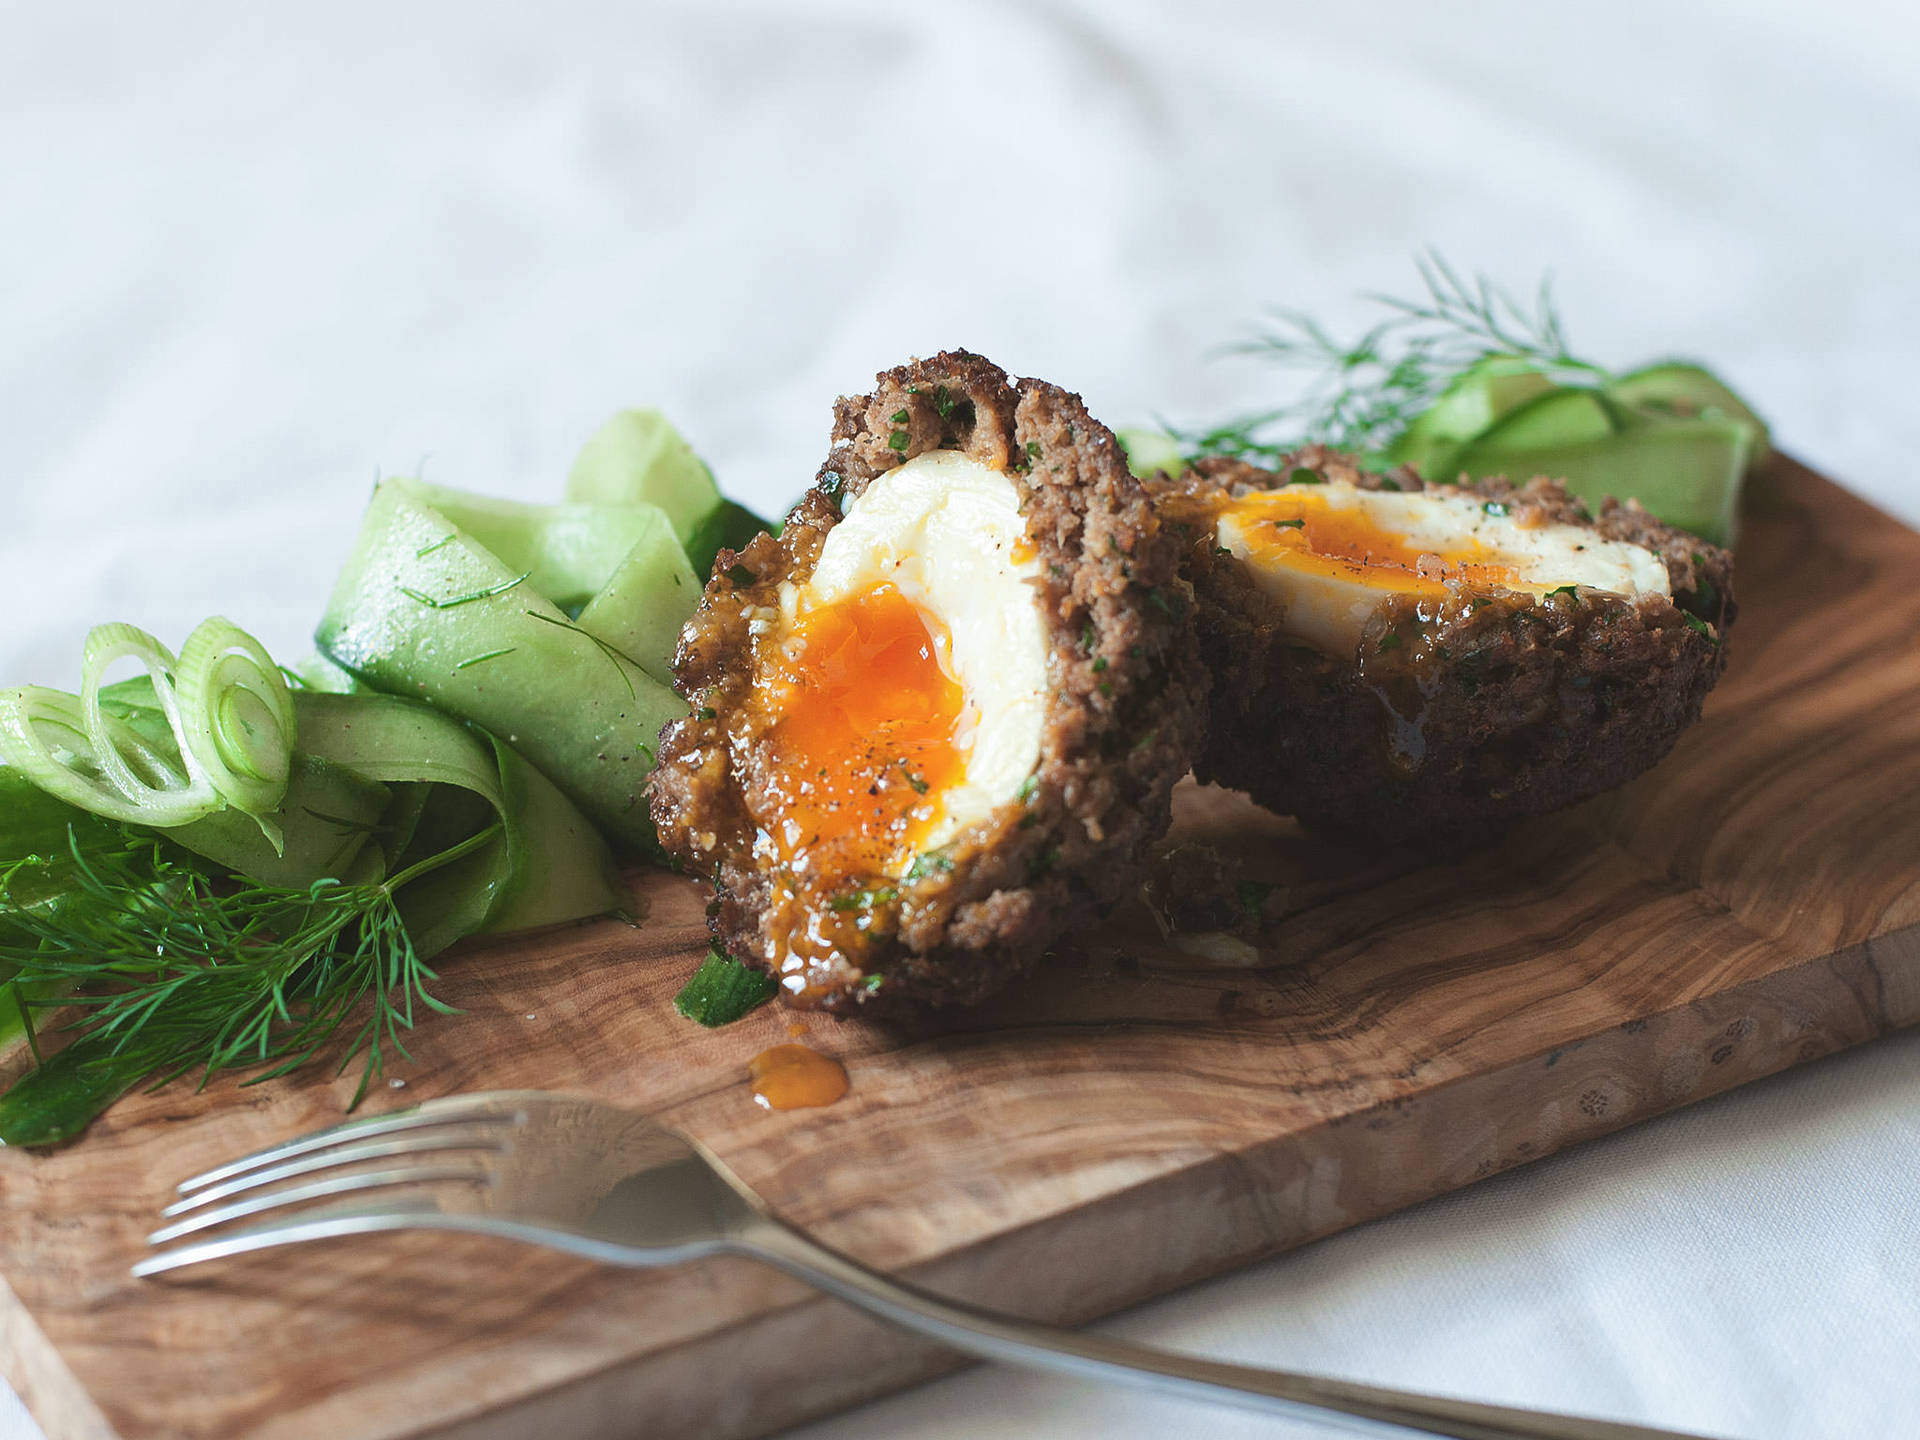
point(553, 626)
point(1672, 436)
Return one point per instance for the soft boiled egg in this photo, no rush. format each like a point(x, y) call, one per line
point(1332, 553)
point(903, 684)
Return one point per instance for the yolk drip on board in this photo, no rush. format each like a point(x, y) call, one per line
point(793, 1077)
point(861, 736)
point(1299, 530)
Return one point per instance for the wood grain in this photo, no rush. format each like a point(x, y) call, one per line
point(1124, 1124)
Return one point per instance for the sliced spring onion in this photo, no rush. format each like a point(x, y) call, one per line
point(95, 762)
point(228, 736)
point(241, 715)
point(190, 792)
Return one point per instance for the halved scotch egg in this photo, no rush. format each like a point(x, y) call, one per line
point(937, 721)
point(1409, 661)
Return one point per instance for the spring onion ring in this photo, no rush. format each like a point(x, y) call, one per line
point(228, 713)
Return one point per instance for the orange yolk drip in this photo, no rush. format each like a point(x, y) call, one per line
point(862, 744)
point(792, 1077)
point(1298, 529)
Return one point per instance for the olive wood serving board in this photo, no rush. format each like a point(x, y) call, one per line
point(1123, 1124)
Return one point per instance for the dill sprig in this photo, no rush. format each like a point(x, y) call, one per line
point(168, 971)
point(1362, 395)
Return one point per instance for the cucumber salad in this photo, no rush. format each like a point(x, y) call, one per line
point(222, 863)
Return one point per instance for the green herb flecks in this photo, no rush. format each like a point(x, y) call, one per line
point(605, 649)
point(1253, 896)
point(722, 990)
point(453, 602)
point(1706, 594)
point(1289, 524)
point(482, 659)
point(930, 863)
point(1173, 605)
point(870, 899)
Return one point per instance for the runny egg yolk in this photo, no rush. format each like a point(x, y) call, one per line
point(1332, 554)
point(1301, 531)
point(866, 741)
point(898, 701)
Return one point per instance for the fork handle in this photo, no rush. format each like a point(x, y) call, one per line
point(1096, 1357)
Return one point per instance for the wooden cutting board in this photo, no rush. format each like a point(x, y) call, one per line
point(1123, 1124)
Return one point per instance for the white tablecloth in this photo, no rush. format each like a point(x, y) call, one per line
point(251, 256)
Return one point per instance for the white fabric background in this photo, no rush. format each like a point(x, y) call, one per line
point(250, 255)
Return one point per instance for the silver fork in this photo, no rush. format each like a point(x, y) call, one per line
point(611, 1185)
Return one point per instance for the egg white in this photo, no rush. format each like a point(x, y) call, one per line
point(1330, 611)
point(944, 531)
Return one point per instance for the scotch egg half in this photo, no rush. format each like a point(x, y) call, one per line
point(937, 720)
point(1410, 662)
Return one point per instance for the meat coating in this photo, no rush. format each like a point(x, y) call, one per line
point(1507, 707)
point(1123, 714)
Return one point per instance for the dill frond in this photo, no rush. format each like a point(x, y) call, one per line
point(169, 971)
point(1361, 395)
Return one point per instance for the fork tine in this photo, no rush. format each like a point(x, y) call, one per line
point(320, 1223)
point(452, 1110)
point(445, 1137)
point(317, 1190)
